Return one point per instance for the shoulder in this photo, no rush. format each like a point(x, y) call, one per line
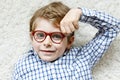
point(75, 50)
point(25, 60)
point(23, 64)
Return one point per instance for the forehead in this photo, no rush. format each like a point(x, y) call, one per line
point(46, 25)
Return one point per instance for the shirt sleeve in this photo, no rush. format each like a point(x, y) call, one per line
point(108, 28)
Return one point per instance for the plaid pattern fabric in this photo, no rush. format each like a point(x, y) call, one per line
point(77, 63)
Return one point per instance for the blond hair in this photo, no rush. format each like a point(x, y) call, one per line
point(54, 12)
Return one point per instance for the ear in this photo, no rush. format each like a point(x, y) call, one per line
point(31, 36)
point(70, 42)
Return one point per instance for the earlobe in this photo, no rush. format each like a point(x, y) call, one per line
point(70, 42)
point(31, 36)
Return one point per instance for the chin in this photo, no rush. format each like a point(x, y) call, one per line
point(48, 59)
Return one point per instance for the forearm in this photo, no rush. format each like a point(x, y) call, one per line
point(100, 20)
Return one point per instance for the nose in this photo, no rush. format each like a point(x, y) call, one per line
point(47, 42)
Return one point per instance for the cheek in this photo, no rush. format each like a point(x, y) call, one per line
point(35, 45)
point(62, 47)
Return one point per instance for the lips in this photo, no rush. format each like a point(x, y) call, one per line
point(47, 50)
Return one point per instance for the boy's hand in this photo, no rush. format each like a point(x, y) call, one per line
point(70, 22)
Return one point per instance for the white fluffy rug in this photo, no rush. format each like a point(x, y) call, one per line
point(14, 33)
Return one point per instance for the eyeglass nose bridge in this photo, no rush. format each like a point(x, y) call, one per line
point(48, 35)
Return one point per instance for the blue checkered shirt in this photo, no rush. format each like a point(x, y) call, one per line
point(77, 63)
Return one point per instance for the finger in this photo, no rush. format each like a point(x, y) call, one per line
point(62, 29)
point(75, 23)
point(72, 27)
point(65, 28)
point(68, 28)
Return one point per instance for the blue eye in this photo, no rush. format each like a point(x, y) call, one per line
point(57, 36)
point(40, 35)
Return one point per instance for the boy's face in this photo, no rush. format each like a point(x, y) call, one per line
point(47, 49)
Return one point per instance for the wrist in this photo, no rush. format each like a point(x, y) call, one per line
point(79, 12)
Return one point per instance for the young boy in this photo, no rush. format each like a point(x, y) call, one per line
point(52, 33)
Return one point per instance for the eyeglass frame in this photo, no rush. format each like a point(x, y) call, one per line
point(48, 34)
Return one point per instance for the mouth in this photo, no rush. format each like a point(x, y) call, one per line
point(47, 51)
